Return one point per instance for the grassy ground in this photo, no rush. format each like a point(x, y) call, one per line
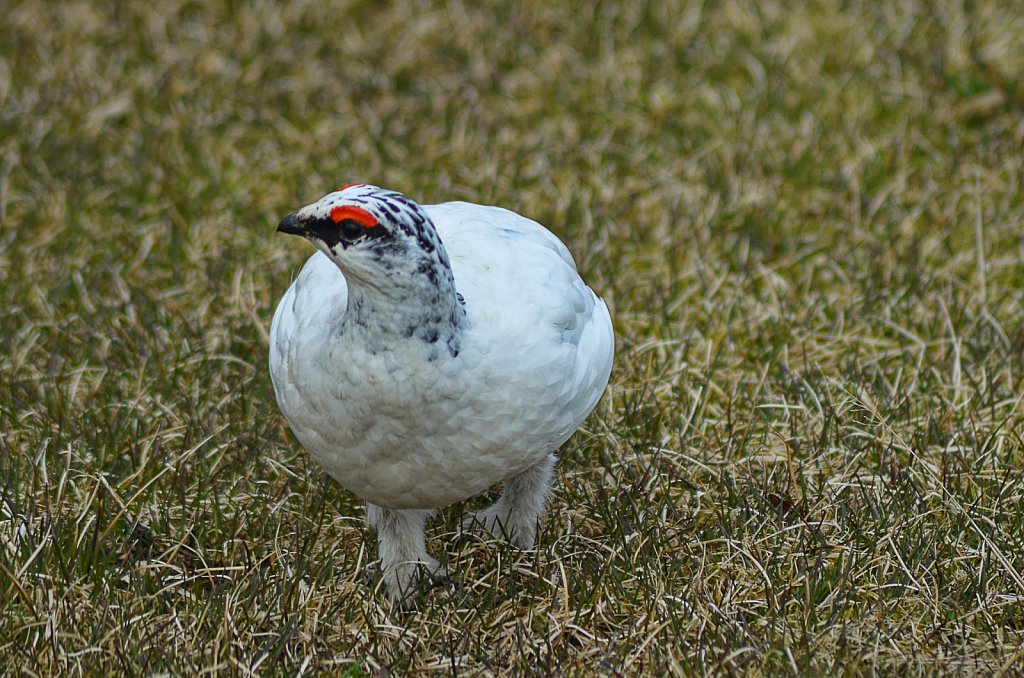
point(807, 217)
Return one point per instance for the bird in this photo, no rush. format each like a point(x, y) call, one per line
point(426, 353)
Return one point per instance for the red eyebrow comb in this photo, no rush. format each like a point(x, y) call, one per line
point(357, 214)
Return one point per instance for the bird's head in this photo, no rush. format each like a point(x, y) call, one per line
point(378, 237)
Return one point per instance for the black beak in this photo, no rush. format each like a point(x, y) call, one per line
point(292, 226)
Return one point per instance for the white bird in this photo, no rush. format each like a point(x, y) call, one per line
point(429, 352)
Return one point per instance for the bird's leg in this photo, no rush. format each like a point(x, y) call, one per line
point(517, 513)
point(402, 549)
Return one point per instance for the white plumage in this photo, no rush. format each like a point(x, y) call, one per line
point(429, 352)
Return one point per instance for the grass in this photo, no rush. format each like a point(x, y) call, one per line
point(807, 218)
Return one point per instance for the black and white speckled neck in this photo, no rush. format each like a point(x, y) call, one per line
point(400, 286)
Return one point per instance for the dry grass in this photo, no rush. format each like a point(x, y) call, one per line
point(807, 217)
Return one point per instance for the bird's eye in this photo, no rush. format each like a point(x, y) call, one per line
point(351, 230)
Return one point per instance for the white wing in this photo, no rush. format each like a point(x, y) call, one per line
point(523, 294)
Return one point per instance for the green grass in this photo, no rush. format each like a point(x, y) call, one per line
point(808, 220)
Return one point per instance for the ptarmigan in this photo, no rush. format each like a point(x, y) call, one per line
point(428, 352)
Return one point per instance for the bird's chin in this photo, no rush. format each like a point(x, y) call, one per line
point(335, 253)
point(349, 267)
point(323, 247)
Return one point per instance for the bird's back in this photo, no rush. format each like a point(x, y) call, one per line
point(523, 294)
